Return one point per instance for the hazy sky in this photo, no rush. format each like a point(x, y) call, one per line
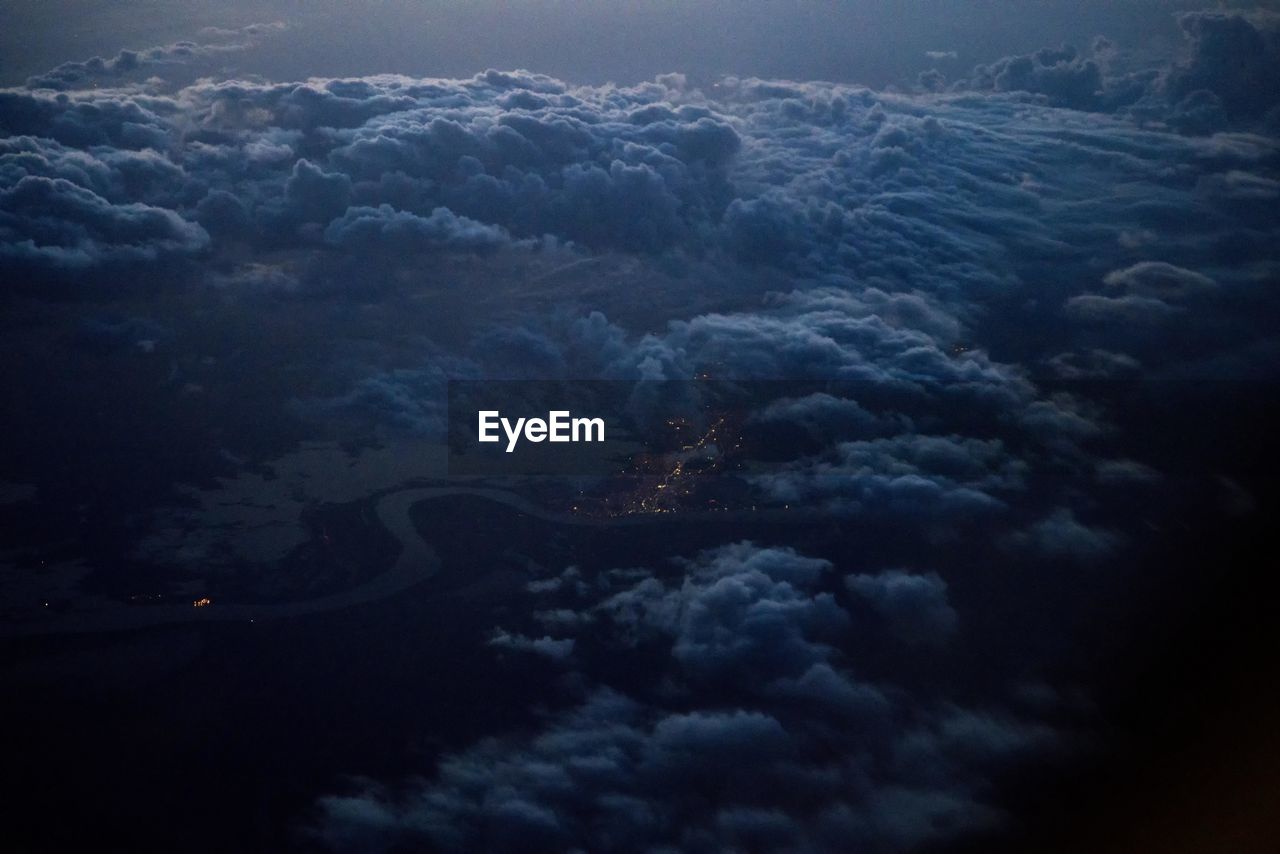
point(869, 41)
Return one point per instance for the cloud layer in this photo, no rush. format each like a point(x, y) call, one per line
point(945, 264)
point(766, 738)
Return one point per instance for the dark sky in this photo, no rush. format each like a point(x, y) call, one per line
point(875, 42)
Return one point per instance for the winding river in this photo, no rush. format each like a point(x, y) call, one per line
point(416, 562)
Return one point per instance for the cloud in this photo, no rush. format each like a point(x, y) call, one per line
point(928, 204)
point(554, 648)
point(456, 163)
point(914, 606)
point(1126, 472)
point(924, 255)
point(384, 229)
point(313, 195)
point(403, 400)
point(1239, 185)
point(108, 333)
point(930, 476)
point(917, 235)
point(1234, 56)
point(54, 223)
point(1126, 309)
point(822, 418)
point(1062, 536)
point(1062, 75)
point(1093, 364)
point(1221, 82)
point(932, 80)
point(72, 74)
point(789, 751)
point(743, 612)
point(1159, 280)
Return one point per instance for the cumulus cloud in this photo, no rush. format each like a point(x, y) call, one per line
point(943, 200)
point(383, 229)
point(1234, 56)
point(916, 475)
point(1159, 280)
point(1239, 185)
point(1062, 75)
point(822, 418)
point(72, 74)
point(742, 612)
point(553, 648)
point(914, 606)
point(455, 164)
point(1220, 80)
point(1062, 536)
point(797, 753)
point(107, 333)
point(1093, 364)
point(56, 223)
point(1126, 309)
point(404, 400)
